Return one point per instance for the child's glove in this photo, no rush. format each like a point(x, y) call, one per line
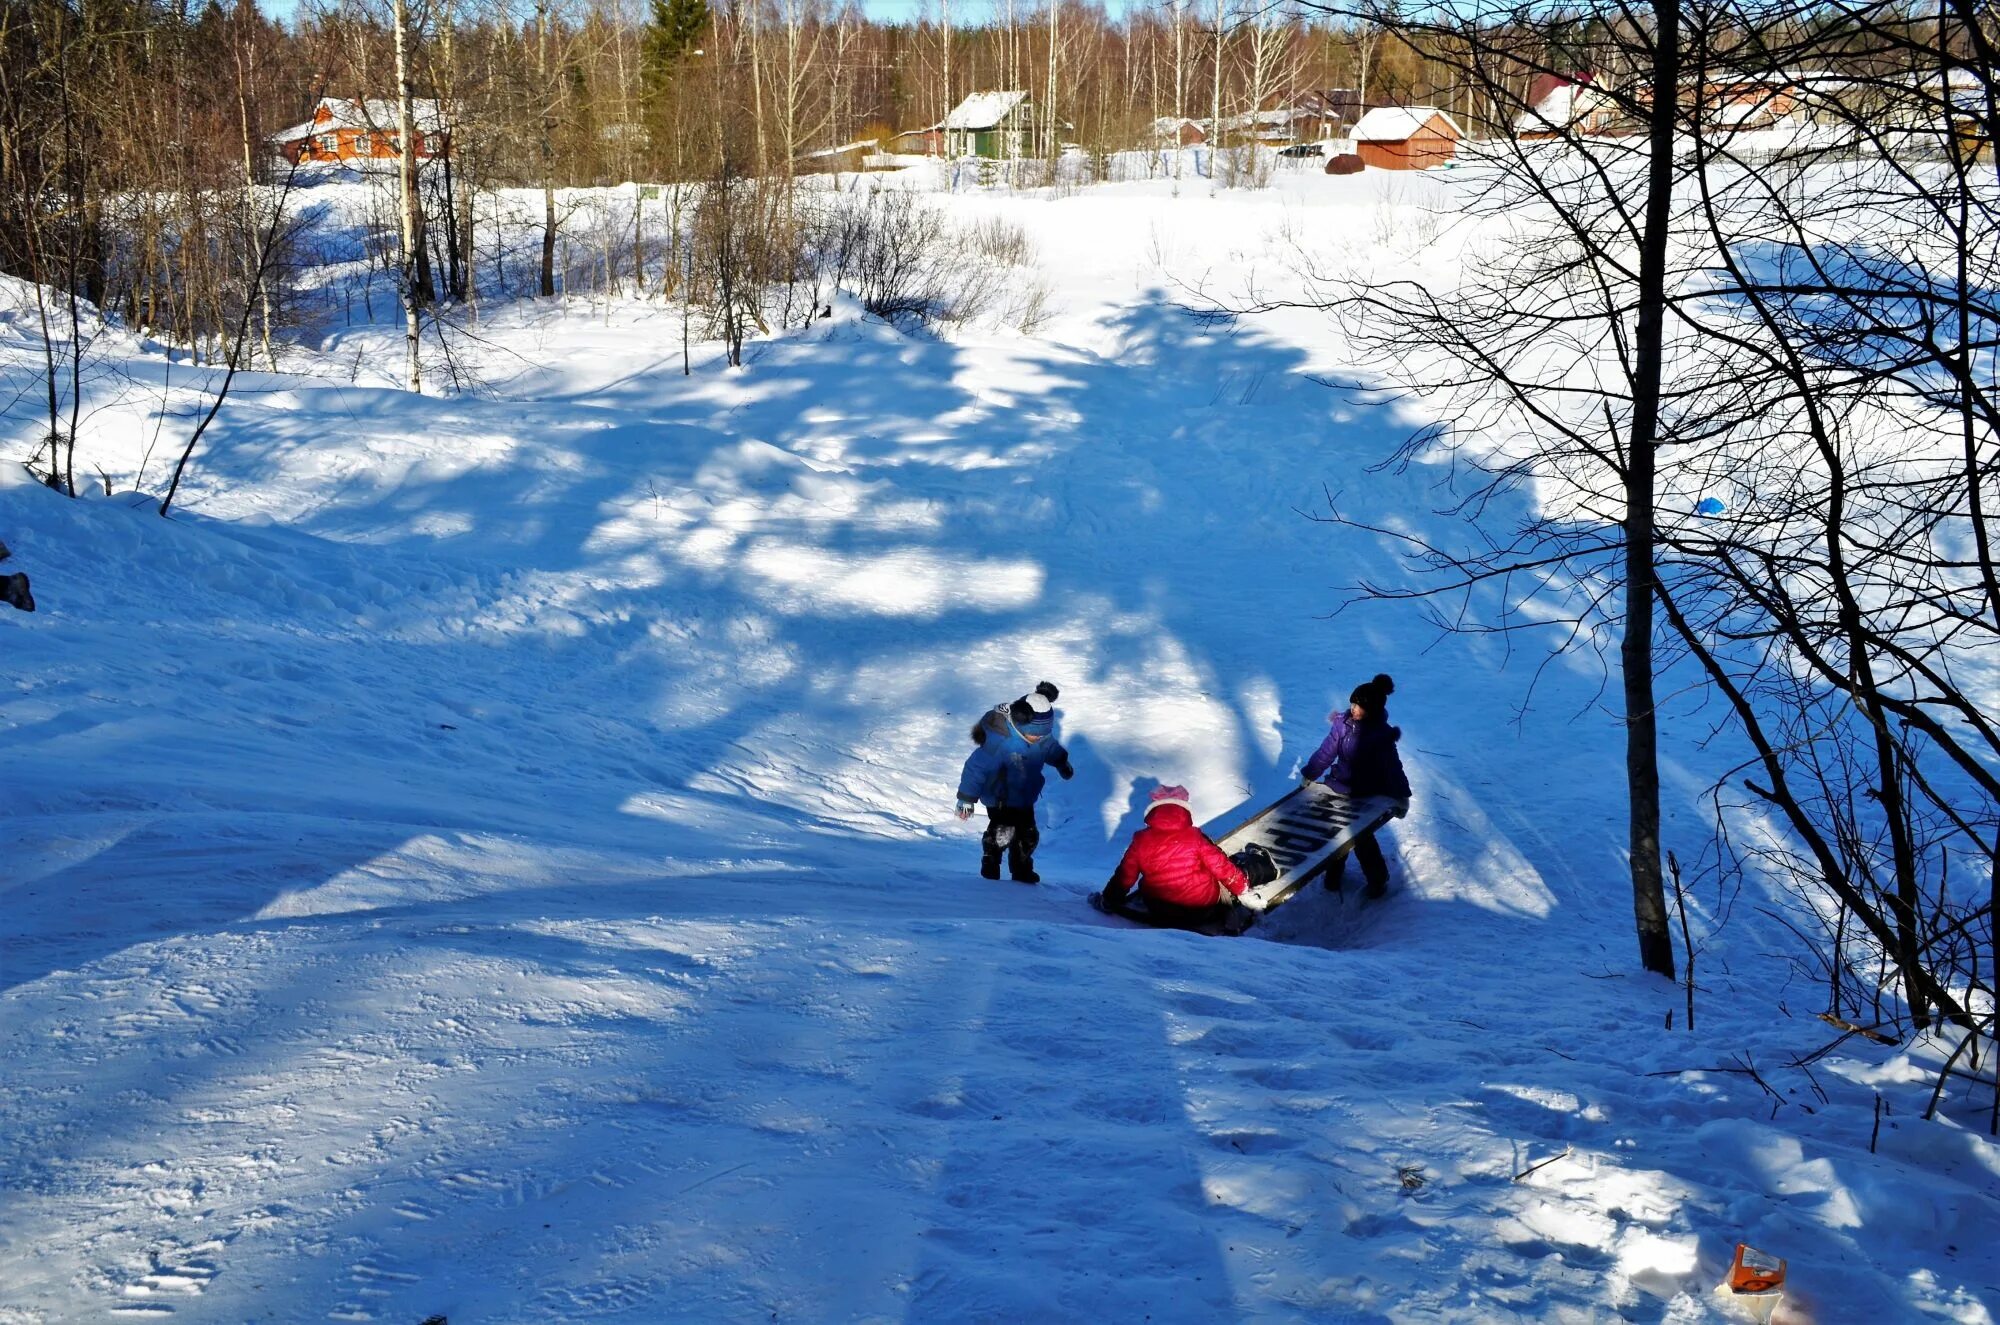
point(1250, 901)
point(1067, 770)
point(965, 809)
point(1402, 810)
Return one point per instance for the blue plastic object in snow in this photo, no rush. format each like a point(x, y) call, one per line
point(1709, 506)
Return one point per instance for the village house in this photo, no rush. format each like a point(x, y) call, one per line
point(1327, 112)
point(1277, 126)
point(927, 141)
point(1945, 107)
point(1406, 137)
point(996, 125)
point(1767, 101)
point(1926, 116)
point(1281, 122)
point(852, 156)
point(1575, 105)
point(360, 132)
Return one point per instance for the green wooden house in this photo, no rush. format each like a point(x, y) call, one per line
point(996, 125)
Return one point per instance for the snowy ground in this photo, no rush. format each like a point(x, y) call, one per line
point(492, 857)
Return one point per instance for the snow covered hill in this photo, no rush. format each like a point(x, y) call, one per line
point(492, 857)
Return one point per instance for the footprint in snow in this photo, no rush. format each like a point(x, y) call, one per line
point(1372, 1227)
point(376, 1277)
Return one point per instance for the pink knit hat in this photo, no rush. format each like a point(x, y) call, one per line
point(1167, 796)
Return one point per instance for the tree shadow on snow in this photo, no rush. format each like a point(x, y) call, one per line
point(754, 616)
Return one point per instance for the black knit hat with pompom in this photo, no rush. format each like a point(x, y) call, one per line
point(1373, 696)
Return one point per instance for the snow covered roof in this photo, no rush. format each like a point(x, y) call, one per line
point(375, 113)
point(1282, 117)
point(1741, 113)
point(1555, 111)
point(984, 110)
point(1781, 78)
point(1395, 124)
point(858, 145)
point(1562, 107)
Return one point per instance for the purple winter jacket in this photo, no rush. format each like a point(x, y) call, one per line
point(1359, 758)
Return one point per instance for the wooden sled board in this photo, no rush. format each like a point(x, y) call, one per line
point(1305, 831)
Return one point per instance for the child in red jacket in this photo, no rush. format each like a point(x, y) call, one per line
point(1186, 881)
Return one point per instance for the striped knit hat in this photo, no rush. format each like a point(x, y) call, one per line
point(1029, 707)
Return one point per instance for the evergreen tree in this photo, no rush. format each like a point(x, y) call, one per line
point(673, 28)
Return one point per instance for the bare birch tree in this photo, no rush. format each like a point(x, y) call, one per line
point(411, 208)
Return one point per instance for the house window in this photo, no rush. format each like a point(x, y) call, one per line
point(330, 142)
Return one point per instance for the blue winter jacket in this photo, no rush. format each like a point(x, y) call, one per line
point(1006, 768)
point(1359, 758)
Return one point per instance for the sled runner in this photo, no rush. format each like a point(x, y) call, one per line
point(1305, 831)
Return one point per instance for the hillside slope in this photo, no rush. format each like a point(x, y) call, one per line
point(492, 856)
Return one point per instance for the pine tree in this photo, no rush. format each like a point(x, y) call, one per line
point(673, 28)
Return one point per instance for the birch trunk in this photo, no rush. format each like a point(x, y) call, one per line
point(250, 228)
point(1215, 99)
point(547, 150)
point(413, 229)
point(1055, 7)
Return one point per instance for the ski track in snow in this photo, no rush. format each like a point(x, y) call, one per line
point(492, 857)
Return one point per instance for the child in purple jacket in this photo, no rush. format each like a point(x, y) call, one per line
point(1358, 758)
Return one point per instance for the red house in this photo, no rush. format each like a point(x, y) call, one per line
point(358, 132)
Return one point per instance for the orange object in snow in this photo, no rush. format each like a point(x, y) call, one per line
point(1755, 1271)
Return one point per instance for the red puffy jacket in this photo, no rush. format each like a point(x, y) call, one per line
point(1172, 860)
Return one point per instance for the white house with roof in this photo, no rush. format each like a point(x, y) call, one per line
point(1558, 105)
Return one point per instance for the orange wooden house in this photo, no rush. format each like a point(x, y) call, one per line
point(358, 132)
point(1406, 137)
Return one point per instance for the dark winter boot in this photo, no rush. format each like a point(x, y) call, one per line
point(1236, 920)
point(1374, 866)
point(1021, 859)
point(991, 842)
point(1257, 865)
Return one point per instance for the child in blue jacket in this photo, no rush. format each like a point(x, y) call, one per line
point(1015, 742)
